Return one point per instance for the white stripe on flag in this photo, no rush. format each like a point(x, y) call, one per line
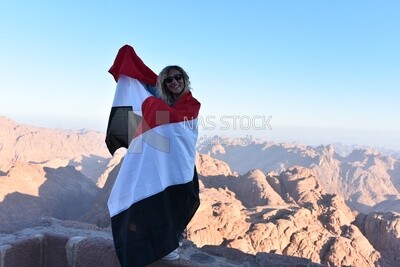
point(130, 92)
point(154, 162)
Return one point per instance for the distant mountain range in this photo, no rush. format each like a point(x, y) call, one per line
point(84, 150)
point(332, 204)
point(367, 179)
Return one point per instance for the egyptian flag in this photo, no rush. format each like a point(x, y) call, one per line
point(156, 192)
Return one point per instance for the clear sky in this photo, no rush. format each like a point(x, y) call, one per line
point(325, 71)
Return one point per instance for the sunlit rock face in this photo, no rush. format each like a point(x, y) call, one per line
point(257, 197)
point(292, 215)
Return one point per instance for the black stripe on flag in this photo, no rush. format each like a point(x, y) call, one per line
point(122, 125)
point(151, 228)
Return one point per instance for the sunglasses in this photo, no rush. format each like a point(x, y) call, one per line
point(176, 77)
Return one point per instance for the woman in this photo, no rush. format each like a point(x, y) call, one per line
point(156, 192)
point(172, 83)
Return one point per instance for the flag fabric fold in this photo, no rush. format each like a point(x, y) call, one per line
point(123, 122)
point(156, 192)
point(129, 63)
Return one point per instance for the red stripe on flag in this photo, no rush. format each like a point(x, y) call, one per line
point(128, 63)
point(156, 112)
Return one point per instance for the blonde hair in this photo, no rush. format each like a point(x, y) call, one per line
point(162, 87)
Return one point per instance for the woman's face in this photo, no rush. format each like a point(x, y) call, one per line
point(175, 82)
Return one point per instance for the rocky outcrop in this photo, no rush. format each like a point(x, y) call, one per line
point(266, 156)
point(99, 214)
point(219, 219)
point(208, 166)
point(83, 149)
point(111, 166)
point(29, 192)
point(364, 177)
point(287, 214)
point(383, 232)
point(300, 185)
point(308, 222)
point(368, 178)
point(24, 178)
point(252, 188)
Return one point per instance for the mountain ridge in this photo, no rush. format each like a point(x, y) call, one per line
point(275, 205)
point(365, 177)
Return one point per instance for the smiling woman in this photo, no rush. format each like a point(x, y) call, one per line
point(156, 192)
point(172, 82)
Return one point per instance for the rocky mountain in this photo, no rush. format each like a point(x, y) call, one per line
point(345, 150)
point(85, 150)
point(366, 178)
point(300, 219)
point(99, 214)
point(49, 172)
point(256, 196)
point(383, 232)
point(29, 191)
point(288, 213)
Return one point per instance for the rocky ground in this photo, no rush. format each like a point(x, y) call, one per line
point(51, 242)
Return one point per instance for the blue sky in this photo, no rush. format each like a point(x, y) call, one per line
point(325, 71)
